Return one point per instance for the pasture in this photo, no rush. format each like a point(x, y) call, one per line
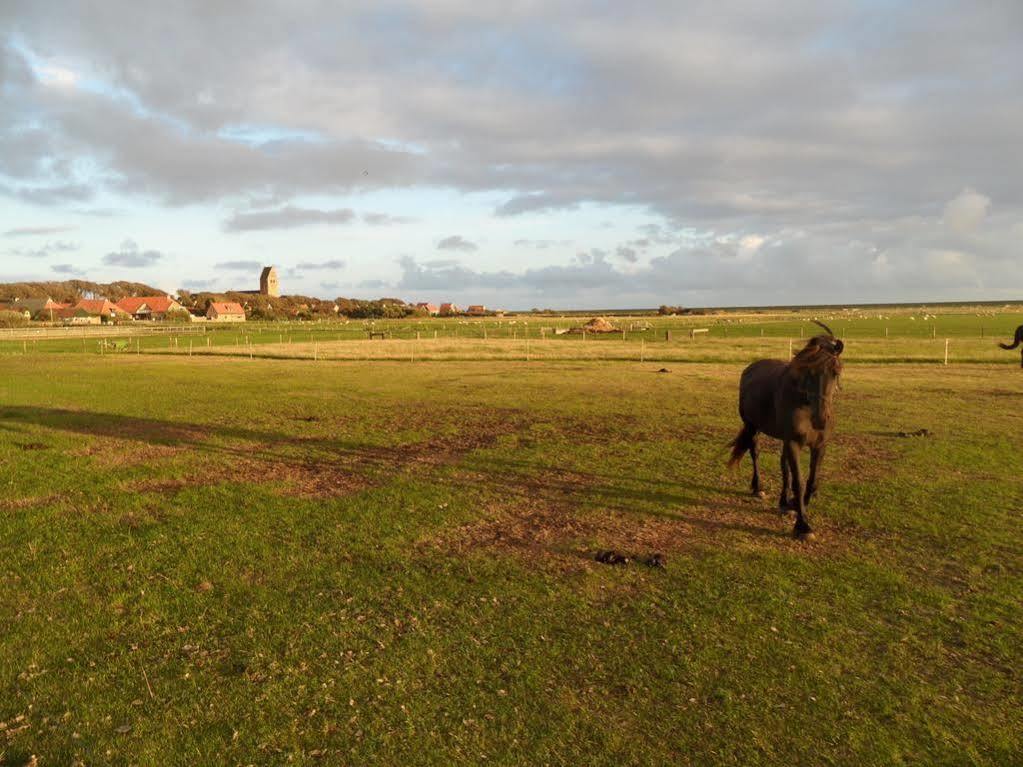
point(322, 549)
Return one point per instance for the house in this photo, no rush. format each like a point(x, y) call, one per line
point(35, 308)
point(76, 315)
point(15, 307)
point(102, 308)
point(225, 312)
point(149, 307)
point(432, 309)
point(447, 310)
point(476, 310)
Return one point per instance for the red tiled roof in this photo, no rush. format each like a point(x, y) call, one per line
point(228, 307)
point(158, 304)
point(98, 306)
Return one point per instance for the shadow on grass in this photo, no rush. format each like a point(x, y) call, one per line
point(518, 480)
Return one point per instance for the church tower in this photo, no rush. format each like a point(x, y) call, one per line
point(269, 285)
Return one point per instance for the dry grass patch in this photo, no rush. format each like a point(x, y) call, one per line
point(548, 528)
point(13, 504)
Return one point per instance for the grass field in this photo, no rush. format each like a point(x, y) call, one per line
point(218, 560)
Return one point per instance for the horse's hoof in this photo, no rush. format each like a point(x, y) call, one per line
point(759, 494)
point(806, 535)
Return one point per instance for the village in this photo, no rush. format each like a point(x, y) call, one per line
point(99, 310)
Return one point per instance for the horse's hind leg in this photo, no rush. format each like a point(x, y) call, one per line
point(754, 453)
point(784, 506)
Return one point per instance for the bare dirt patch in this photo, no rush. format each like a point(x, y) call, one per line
point(338, 468)
point(860, 457)
point(108, 452)
point(566, 518)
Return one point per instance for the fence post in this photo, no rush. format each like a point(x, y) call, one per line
point(790, 348)
point(946, 351)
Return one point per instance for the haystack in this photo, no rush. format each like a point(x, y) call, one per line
point(597, 325)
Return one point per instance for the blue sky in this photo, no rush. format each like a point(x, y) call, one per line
point(523, 154)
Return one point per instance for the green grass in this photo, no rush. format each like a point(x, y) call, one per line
point(898, 330)
point(225, 561)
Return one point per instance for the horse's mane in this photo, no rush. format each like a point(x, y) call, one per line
point(817, 357)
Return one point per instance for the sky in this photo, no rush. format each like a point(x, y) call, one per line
point(518, 154)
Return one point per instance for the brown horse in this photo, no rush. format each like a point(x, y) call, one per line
point(791, 402)
point(1016, 342)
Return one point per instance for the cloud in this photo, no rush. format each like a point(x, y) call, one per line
point(966, 211)
point(46, 250)
point(30, 231)
point(332, 264)
point(542, 244)
point(627, 254)
point(48, 195)
point(287, 218)
point(792, 121)
point(130, 256)
point(69, 269)
point(197, 286)
point(240, 266)
point(384, 219)
point(540, 202)
point(456, 242)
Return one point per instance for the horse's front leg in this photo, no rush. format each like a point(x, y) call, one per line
point(816, 456)
point(790, 453)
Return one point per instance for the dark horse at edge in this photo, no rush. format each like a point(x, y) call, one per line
point(791, 402)
point(1016, 342)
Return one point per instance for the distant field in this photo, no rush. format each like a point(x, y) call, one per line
point(894, 335)
point(218, 560)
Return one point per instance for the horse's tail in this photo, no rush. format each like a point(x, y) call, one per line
point(741, 444)
point(1015, 341)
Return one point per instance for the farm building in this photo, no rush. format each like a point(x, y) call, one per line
point(76, 315)
point(149, 307)
point(102, 308)
point(432, 309)
point(34, 308)
point(225, 312)
point(5, 307)
point(447, 310)
point(476, 310)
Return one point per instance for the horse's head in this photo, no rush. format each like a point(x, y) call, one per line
point(816, 369)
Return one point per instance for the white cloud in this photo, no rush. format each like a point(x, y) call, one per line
point(966, 211)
